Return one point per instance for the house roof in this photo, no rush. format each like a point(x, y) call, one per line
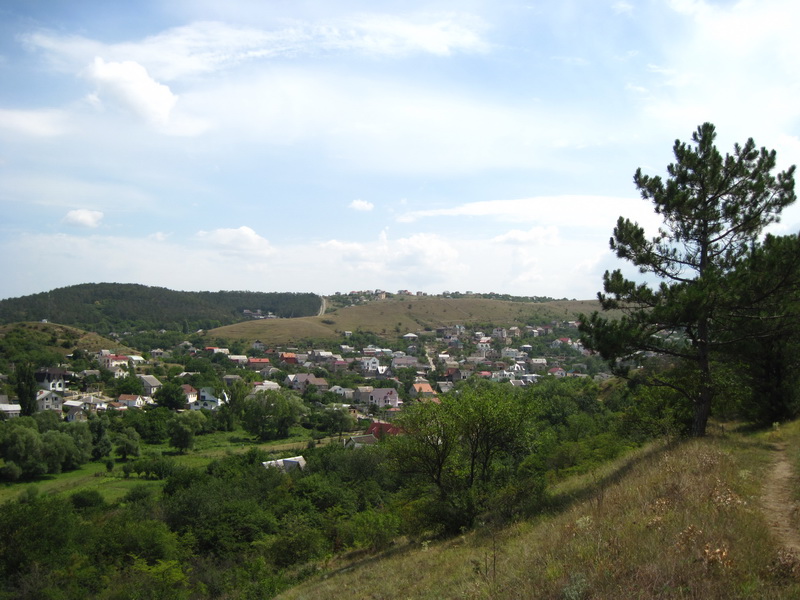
point(380, 428)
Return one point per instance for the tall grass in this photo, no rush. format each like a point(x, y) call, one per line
point(671, 521)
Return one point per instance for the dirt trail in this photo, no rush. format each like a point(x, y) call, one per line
point(778, 503)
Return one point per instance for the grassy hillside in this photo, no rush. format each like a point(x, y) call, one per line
point(679, 521)
point(399, 315)
point(26, 341)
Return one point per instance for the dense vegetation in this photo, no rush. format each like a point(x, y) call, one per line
point(107, 307)
point(236, 529)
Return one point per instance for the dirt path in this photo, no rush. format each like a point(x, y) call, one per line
point(778, 503)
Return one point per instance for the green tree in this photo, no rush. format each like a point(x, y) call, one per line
point(25, 387)
point(270, 414)
point(128, 443)
point(714, 209)
point(130, 384)
point(170, 395)
point(766, 330)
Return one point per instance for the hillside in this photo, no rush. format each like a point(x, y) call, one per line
point(106, 307)
point(689, 520)
point(403, 314)
point(24, 341)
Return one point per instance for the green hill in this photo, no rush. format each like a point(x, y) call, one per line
point(106, 307)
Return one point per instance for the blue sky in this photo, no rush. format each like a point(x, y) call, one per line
point(335, 146)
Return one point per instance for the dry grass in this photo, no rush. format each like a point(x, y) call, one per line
point(679, 521)
point(397, 316)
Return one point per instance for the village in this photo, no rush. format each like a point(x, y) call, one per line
point(368, 381)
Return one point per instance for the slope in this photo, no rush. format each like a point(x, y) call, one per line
point(396, 316)
point(683, 520)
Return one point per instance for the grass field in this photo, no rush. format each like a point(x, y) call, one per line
point(400, 315)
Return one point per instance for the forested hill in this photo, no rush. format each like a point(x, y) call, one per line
point(106, 307)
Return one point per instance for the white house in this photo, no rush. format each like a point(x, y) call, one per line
point(385, 398)
point(47, 400)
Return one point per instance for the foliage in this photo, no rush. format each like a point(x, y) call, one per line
point(269, 414)
point(107, 307)
point(25, 386)
point(714, 208)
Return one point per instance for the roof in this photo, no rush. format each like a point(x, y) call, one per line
point(380, 429)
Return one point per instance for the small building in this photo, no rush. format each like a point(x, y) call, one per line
point(286, 464)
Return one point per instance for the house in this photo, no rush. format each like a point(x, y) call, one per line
point(557, 372)
point(264, 386)
point(47, 400)
point(209, 400)
point(76, 414)
point(537, 364)
point(52, 379)
point(345, 393)
point(259, 346)
point(190, 393)
point(359, 441)
point(405, 362)
point(109, 361)
point(229, 380)
point(151, 384)
point(380, 429)
point(484, 344)
point(239, 359)
point(290, 358)
point(257, 364)
point(10, 411)
point(369, 363)
point(286, 464)
point(385, 397)
point(362, 393)
point(445, 386)
point(300, 381)
point(421, 389)
point(131, 400)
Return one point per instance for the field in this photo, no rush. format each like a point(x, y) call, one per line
point(114, 485)
point(400, 315)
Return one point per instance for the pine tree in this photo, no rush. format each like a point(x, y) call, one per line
point(714, 210)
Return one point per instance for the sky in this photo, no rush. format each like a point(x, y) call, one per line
point(317, 146)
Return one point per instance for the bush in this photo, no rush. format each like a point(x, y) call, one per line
point(84, 499)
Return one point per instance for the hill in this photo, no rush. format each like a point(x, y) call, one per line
point(107, 307)
point(49, 343)
point(686, 520)
point(403, 314)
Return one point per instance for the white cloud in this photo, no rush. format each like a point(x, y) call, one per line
point(622, 7)
point(362, 205)
point(83, 217)
point(539, 236)
point(37, 123)
point(208, 46)
point(568, 211)
point(242, 241)
point(128, 84)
